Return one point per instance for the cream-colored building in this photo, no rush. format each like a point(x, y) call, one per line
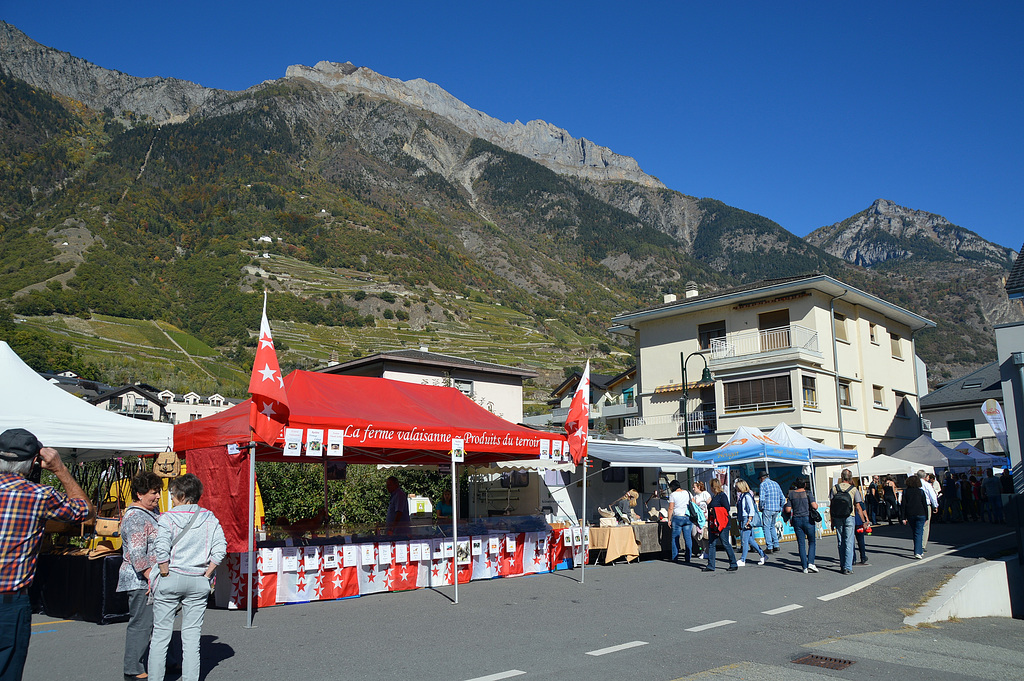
point(835, 363)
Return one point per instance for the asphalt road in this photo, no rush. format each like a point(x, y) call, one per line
point(653, 620)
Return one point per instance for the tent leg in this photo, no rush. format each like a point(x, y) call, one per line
point(251, 547)
point(455, 534)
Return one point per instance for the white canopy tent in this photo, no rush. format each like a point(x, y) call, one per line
point(890, 465)
point(77, 429)
point(982, 459)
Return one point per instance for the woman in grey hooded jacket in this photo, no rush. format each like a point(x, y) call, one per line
point(189, 545)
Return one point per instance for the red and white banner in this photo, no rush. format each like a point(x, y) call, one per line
point(269, 411)
point(577, 421)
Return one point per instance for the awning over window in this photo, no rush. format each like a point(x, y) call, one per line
point(678, 387)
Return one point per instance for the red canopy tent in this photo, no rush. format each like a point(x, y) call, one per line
point(384, 421)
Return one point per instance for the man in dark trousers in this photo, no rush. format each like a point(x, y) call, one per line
point(25, 506)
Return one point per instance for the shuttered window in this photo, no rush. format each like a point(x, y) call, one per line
point(757, 394)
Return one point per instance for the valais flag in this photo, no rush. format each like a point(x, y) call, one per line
point(268, 413)
point(578, 420)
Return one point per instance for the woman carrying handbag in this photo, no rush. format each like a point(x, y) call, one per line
point(718, 527)
point(747, 517)
point(801, 504)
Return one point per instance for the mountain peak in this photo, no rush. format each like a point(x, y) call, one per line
point(537, 140)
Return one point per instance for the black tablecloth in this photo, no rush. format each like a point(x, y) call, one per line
point(69, 586)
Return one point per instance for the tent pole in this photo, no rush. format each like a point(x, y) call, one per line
point(455, 534)
point(252, 517)
point(583, 519)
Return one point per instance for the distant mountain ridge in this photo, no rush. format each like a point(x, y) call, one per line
point(160, 180)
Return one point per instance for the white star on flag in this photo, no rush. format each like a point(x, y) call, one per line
point(577, 421)
point(268, 373)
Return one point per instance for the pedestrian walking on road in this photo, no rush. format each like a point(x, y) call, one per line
point(747, 517)
point(800, 502)
point(700, 529)
point(892, 511)
point(913, 512)
point(770, 499)
point(932, 508)
point(845, 502)
point(679, 515)
point(718, 527)
point(861, 530)
point(991, 492)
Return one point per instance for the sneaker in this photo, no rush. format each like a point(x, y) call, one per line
point(864, 563)
point(918, 556)
point(707, 569)
point(741, 563)
point(733, 568)
point(761, 562)
point(812, 568)
point(806, 571)
point(844, 571)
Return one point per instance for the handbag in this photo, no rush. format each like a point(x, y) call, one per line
point(167, 465)
point(814, 516)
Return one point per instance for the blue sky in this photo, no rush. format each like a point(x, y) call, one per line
point(804, 112)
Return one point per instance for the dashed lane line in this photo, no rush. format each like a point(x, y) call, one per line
point(615, 649)
point(500, 675)
point(712, 625)
point(779, 611)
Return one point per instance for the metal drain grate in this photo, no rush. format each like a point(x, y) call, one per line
point(822, 661)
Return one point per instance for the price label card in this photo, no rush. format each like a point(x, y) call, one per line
point(510, 543)
point(384, 553)
point(330, 557)
point(314, 441)
point(462, 555)
point(493, 545)
point(541, 544)
point(311, 555)
point(293, 441)
point(401, 552)
point(437, 553)
point(545, 449)
point(368, 553)
point(335, 442)
point(458, 450)
point(350, 555)
point(268, 558)
point(478, 546)
point(243, 563)
point(414, 551)
point(577, 536)
point(290, 559)
point(449, 548)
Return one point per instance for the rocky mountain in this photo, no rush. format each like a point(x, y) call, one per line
point(153, 198)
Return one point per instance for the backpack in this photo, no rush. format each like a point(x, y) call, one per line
point(841, 505)
point(697, 516)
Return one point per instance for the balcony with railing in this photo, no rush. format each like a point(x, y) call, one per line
point(779, 343)
point(131, 409)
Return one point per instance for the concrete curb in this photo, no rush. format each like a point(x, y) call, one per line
point(988, 589)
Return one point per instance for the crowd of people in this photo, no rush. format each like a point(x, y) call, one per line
point(700, 519)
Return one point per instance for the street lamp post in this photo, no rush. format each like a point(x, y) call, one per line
point(705, 377)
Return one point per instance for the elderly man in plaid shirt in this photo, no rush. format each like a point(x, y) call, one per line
point(770, 499)
point(25, 506)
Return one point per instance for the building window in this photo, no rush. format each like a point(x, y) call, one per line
point(810, 392)
point(897, 348)
point(839, 325)
point(465, 387)
point(878, 451)
point(758, 394)
point(878, 396)
point(961, 430)
point(873, 333)
point(709, 332)
point(844, 394)
point(627, 397)
point(901, 404)
point(194, 417)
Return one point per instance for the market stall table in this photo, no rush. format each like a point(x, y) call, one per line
point(68, 586)
point(617, 542)
point(653, 537)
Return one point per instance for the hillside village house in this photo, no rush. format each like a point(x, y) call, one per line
point(952, 413)
point(835, 363)
point(495, 387)
point(612, 401)
point(136, 401)
point(192, 405)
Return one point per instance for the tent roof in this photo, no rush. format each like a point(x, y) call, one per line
point(67, 423)
point(981, 458)
point(384, 421)
point(785, 435)
point(890, 465)
point(642, 454)
point(750, 445)
point(926, 450)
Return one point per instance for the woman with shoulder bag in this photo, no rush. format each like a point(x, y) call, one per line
point(189, 545)
point(747, 517)
point(800, 503)
point(138, 542)
point(718, 527)
point(700, 529)
point(679, 516)
point(914, 512)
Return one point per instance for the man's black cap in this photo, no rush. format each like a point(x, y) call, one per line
point(17, 444)
point(764, 474)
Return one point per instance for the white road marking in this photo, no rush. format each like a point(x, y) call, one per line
point(779, 611)
point(500, 675)
point(882, 575)
point(615, 649)
point(720, 623)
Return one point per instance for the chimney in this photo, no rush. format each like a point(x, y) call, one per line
point(691, 289)
point(670, 298)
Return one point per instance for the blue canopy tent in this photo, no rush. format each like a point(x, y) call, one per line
point(819, 453)
point(750, 445)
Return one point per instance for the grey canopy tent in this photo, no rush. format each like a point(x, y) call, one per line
point(926, 450)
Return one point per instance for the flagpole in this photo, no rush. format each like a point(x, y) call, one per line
point(252, 530)
point(455, 533)
point(583, 519)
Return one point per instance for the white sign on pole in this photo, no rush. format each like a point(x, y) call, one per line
point(335, 442)
point(458, 450)
point(314, 442)
point(293, 441)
